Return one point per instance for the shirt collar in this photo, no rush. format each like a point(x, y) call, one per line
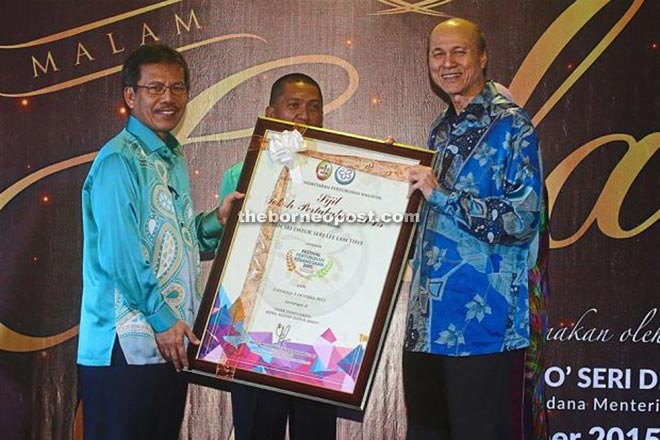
point(480, 101)
point(486, 95)
point(150, 140)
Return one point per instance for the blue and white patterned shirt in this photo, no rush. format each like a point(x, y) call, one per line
point(141, 247)
point(469, 293)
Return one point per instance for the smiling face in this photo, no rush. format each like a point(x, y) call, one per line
point(299, 102)
point(456, 61)
point(161, 113)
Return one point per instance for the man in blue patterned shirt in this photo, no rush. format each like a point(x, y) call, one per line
point(141, 285)
point(468, 310)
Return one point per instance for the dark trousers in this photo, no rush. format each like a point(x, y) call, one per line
point(261, 414)
point(464, 398)
point(132, 402)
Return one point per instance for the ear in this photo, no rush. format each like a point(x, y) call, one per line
point(129, 97)
point(270, 112)
point(483, 60)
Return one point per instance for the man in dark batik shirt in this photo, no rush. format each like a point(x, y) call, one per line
point(468, 310)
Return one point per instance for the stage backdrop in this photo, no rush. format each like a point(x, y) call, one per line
point(586, 71)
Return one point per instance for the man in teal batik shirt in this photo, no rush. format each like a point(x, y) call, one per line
point(141, 286)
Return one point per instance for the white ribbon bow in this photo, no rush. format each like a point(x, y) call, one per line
point(283, 149)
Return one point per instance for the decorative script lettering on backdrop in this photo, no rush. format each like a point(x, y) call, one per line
point(103, 58)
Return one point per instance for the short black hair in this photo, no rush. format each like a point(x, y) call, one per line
point(278, 86)
point(481, 40)
point(151, 54)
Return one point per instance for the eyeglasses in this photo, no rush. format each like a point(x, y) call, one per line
point(159, 89)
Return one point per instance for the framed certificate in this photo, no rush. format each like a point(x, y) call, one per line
point(305, 279)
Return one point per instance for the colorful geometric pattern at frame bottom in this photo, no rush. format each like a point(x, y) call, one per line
point(323, 364)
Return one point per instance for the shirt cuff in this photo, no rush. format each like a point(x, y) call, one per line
point(209, 224)
point(438, 199)
point(162, 320)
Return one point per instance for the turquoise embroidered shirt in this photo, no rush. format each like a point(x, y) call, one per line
point(230, 180)
point(141, 246)
point(469, 291)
